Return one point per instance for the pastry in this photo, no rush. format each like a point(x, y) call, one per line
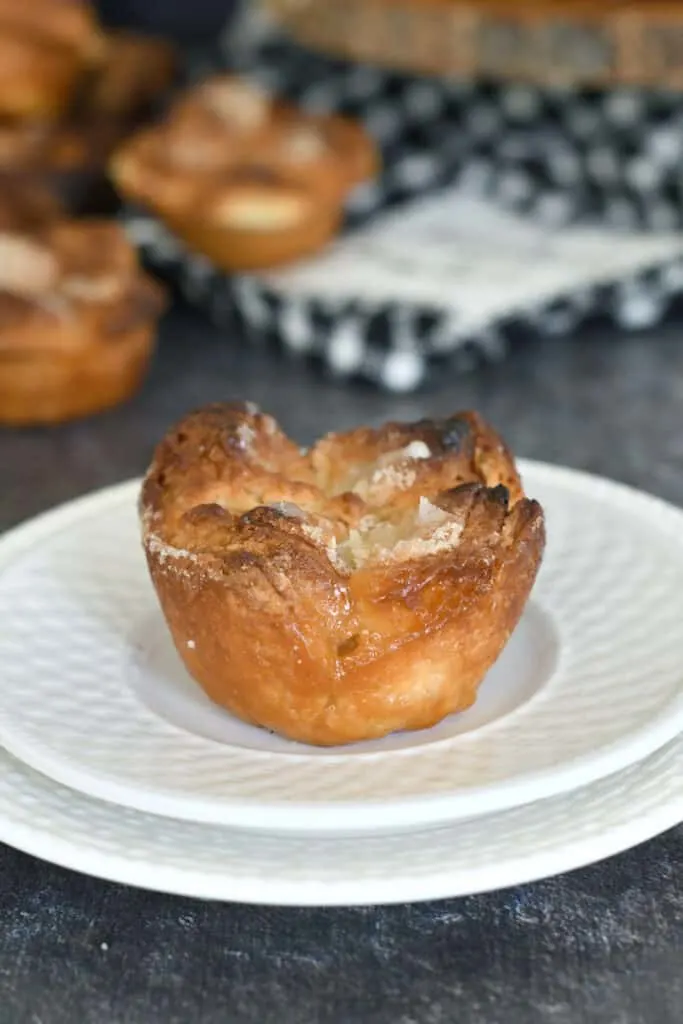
point(44, 48)
point(115, 96)
point(246, 180)
point(134, 71)
point(77, 319)
point(27, 205)
point(68, 23)
point(66, 157)
point(565, 42)
point(346, 592)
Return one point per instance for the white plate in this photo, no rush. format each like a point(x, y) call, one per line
point(208, 861)
point(87, 678)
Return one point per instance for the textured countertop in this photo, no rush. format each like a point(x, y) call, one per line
point(599, 946)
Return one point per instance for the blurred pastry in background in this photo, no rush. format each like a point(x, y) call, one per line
point(44, 49)
point(243, 178)
point(131, 75)
point(27, 205)
point(66, 157)
point(117, 97)
point(69, 23)
point(114, 95)
point(77, 315)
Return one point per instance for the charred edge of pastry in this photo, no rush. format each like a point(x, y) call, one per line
point(223, 447)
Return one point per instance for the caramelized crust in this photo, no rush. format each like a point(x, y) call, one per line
point(342, 593)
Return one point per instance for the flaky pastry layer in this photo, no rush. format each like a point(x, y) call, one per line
point(344, 592)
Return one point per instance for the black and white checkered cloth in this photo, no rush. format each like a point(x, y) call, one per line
point(560, 156)
point(426, 130)
point(396, 346)
point(615, 159)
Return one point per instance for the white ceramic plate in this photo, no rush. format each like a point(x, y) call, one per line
point(209, 861)
point(93, 695)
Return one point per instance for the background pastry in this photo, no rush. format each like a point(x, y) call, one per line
point(44, 48)
point(244, 179)
point(113, 97)
point(77, 317)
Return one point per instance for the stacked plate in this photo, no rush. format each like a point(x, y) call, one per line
point(115, 764)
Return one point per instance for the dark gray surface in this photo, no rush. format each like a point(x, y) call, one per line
point(600, 946)
point(198, 19)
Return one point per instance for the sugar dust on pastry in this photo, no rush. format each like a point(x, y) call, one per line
point(359, 588)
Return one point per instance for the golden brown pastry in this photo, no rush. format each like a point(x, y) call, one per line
point(115, 95)
point(27, 205)
point(44, 48)
point(37, 79)
point(67, 158)
point(342, 593)
point(68, 23)
point(245, 180)
point(133, 73)
point(77, 319)
point(23, 145)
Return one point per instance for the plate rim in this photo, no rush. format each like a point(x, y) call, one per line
point(422, 812)
point(154, 876)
